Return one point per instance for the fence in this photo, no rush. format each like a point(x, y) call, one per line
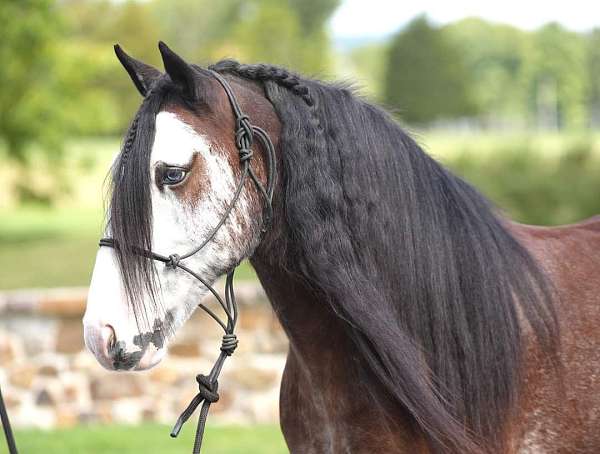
point(50, 380)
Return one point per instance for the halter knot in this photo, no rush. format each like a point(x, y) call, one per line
point(229, 343)
point(207, 389)
point(244, 136)
point(174, 260)
point(245, 154)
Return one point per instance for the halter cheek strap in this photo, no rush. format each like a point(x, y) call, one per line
point(245, 133)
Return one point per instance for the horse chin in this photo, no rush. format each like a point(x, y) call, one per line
point(150, 359)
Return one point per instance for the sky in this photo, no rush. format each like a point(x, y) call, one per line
point(377, 18)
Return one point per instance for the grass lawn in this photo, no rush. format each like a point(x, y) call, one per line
point(152, 438)
point(42, 247)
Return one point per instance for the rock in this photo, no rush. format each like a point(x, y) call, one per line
point(50, 380)
point(148, 414)
point(66, 417)
point(84, 361)
point(113, 386)
point(270, 342)
point(31, 415)
point(63, 303)
point(104, 413)
point(11, 399)
point(226, 400)
point(127, 411)
point(51, 364)
point(69, 336)
point(22, 375)
point(164, 374)
point(76, 389)
point(252, 378)
point(187, 349)
point(48, 370)
point(254, 318)
point(37, 334)
point(264, 407)
point(87, 417)
point(44, 398)
point(10, 349)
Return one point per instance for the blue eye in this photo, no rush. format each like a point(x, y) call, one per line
point(173, 175)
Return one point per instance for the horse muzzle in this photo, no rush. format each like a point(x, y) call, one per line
point(114, 353)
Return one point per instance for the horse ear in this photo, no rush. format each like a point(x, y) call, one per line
point(142, 75)
point(180, 72)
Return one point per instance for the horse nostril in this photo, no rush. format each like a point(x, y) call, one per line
point(108, 333)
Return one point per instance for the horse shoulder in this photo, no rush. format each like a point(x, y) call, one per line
point(555, 416)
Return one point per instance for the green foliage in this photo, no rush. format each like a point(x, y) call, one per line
point(533, 187)
point(593, 72)
point(546, 79)
point(31, 91)
point(60, 77)
point(556, 74)
point(198, 29)
point(494, 56)
point(286, 33)
point(368, 67)
point(426, 78)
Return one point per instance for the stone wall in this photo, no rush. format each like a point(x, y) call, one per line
point(49, 379)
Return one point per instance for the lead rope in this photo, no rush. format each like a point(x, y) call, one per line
point(208, 385)
point(8, 434)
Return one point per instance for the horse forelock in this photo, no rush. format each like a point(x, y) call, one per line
point(129, 219)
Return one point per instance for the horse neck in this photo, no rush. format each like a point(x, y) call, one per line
point(308, 321)
point(324, 374)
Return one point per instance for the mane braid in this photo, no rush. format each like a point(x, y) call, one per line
point(427, 281)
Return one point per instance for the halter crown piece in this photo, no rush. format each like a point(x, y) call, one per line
point(208, 385)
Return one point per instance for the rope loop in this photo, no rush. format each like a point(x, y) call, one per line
point(207, 389)
point(243, 123)
point(174, 260)
point(244, 135)
point(245, 154)
point(229, 343)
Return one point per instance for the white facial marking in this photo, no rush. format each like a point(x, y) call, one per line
point(178, 226)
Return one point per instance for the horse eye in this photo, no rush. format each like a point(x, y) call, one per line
point(173, 175)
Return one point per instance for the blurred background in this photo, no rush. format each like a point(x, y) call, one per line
point(506, 95)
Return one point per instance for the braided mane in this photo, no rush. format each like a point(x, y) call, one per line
point(272, 73)
point(426, 280)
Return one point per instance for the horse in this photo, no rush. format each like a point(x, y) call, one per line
point(420, 318)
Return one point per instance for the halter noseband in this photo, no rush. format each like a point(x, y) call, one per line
point(245, 133)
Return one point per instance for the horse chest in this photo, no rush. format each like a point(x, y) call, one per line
point(321, 417)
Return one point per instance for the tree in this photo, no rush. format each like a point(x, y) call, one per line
point(494, 56)
point(313, 16)
point(30, 110)
point(556, 78)
point(426, 77)
point(287, 33)
point(593, 75)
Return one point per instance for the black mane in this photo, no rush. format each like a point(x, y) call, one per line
point(426, 278)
